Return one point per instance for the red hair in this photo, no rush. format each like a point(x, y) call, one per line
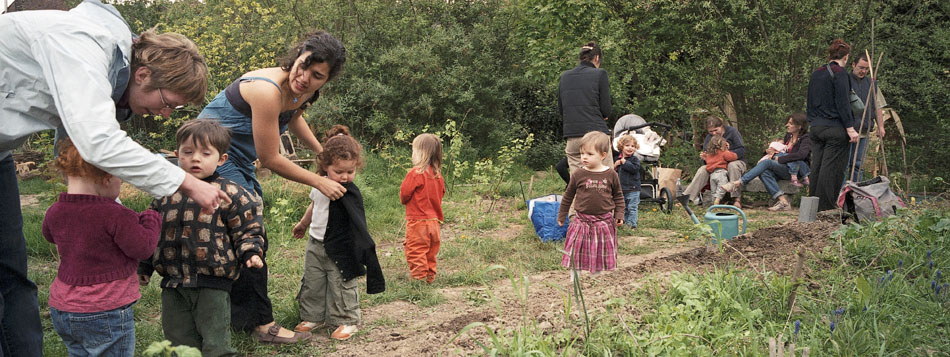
point(71, 163)
point(838, 49)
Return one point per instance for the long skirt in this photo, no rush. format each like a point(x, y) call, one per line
point(592, 242)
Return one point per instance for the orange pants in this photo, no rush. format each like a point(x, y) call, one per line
point(421, 246)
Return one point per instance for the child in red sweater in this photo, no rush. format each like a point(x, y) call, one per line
point(422, 192)
point(100, 243)
point(717, 157)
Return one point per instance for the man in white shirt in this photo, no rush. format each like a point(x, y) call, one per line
point(79, 72)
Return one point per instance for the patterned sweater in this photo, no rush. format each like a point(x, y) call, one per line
point(198, 250)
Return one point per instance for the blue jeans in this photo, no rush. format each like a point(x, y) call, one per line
point(861, 146)
point(20, 331)
point(630, 215)
point(769, 171)
point(105, 333)
point(798, 168)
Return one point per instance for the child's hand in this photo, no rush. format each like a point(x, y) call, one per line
point(144, 279)
point(255, 262)
point(619, 222)
point(618, 163)
point(560, 222)
point(299, 230)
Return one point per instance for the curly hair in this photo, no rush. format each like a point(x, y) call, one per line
point(339, 145)
point(323, 48)
point(716, 144)
point(70, 163)
point(624, 140)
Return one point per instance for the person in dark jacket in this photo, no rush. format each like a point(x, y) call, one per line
point(584, 102)
point(627, 166)
point(797, 148)
point(735, 169)
point(832, 125)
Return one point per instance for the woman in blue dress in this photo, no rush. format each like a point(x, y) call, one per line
point(258, 108)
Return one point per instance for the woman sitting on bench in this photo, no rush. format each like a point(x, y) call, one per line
point(798, 148)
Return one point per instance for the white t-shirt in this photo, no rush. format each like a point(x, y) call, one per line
point(321, 213)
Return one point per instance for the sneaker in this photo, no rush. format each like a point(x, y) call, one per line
point(729, 186)
point(780, 206)
point(307, 326)
point(344, 332)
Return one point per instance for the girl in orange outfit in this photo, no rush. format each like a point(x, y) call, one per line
point(422, 192)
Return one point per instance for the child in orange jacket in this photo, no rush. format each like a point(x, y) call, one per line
point(717, 157)
point(421, 191)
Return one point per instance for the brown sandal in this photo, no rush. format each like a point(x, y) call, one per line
point(272, 337)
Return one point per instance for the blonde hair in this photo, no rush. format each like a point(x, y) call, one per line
point(623, 140)
point(716, 144)
point(426, 153)
point(596, 140)
point(175, 63)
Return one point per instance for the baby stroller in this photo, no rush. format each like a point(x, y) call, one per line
point(649, 155)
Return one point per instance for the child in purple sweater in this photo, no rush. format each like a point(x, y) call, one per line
point(100, 243)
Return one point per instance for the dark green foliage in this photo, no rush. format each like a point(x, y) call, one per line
point(493, 66)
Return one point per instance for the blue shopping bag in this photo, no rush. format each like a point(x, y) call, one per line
point(543, 214)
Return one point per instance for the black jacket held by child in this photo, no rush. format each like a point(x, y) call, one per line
point(348, 243)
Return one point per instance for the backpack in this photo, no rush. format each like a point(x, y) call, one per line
point(869, 200)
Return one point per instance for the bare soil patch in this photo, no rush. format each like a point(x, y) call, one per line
point(401, 328)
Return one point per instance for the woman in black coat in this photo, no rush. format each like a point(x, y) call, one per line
point(584, 102)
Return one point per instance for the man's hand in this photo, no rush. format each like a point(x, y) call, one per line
point(702, 155)
point(299, 230)
point(853, 135)
point(144, 279)
point(560, 222)
point(208, 196)
point(880, 131)
point(255, 262)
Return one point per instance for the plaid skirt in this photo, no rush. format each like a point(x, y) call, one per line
point(592, 241)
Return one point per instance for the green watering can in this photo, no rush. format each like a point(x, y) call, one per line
point(725, 225)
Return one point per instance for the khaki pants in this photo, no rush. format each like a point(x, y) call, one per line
point(573, 152)
point(324, 296)
point(734, 170)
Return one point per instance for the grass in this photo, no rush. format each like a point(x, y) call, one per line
point(727, 308)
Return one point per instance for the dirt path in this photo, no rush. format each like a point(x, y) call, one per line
point(402, 328)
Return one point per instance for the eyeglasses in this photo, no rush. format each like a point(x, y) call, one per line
point(161, 95)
